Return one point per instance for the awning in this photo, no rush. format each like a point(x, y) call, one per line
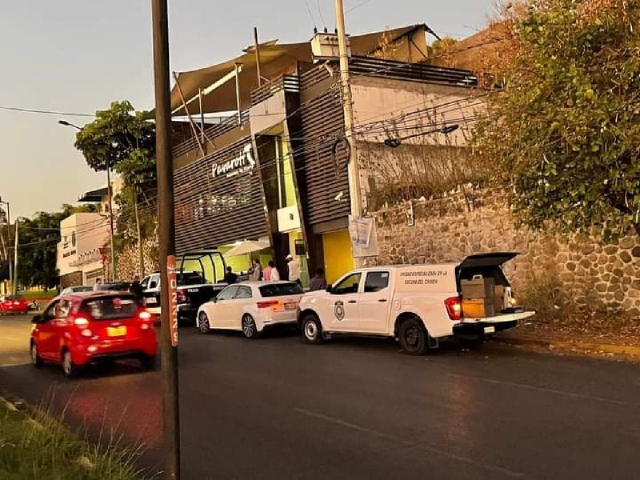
point(246, 247)
point(275, 60)
point(94, 196)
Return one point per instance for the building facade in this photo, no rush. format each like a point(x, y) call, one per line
point(277, 170)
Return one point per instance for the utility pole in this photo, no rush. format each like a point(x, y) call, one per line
point(8, 239)
point(15, 261)
point(355, 194)
point(168, 303)
point(111, 230)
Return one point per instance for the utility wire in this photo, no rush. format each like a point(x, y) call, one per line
point(45, 112)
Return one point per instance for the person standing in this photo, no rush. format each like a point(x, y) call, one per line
point(136, 289)
point(256, 271)
point(318, 282)
point(274, 274)
point(294, 270)
point(266, 273)
point(97, 285)
point(230, 278)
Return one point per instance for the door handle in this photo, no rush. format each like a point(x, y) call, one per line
point(382, 300)
point(352, 301)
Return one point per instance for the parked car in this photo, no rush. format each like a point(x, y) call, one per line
point(117, 286)
point(13, 305)
point(76, 289)
point(251, 307)
point(79, 329)
point(195, 287)
point(416, 304)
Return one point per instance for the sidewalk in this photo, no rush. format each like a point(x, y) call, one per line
point(619, 342)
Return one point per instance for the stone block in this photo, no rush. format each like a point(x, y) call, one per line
point(610, 249)
point(585, 263)
point(587, 249)
point(635, 251)
point(601, 287)
point(627, 242)
point(603, 260)
point(625, 257)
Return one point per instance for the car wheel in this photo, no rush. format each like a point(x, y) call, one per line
point(203, 323)
point(249, 328)
point(413, 337)
point(149, 362)
point(36, 359)
point(69, 368)
point(312, 329)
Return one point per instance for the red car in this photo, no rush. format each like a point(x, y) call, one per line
point(91, 327)
point(9, 304)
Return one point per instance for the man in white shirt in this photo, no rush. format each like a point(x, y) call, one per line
point(294, 270)
point(96, 286)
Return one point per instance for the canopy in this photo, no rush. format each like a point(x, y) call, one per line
point(275, 60)
point(248, 246)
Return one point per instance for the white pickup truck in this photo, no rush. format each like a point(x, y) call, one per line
point(416, 304)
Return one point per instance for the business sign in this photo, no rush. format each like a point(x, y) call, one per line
point(243, 163)
point(364, 242)
point(172, 291)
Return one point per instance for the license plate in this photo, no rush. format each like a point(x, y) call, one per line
point(489, 329)
point(116, 331)
point(149, 301)
point(290, 306)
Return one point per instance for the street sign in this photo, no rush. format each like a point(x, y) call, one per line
point(173, 299)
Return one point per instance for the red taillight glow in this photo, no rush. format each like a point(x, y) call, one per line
point(144, 315)
point(454, 308)
point(267, 304)
point(80, 322)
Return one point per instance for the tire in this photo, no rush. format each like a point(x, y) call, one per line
point(149, 362)
point(414, 339)
point(203, 323)
point(70, 369)
point(36, 359)
point(249, 328)
point(312, 329)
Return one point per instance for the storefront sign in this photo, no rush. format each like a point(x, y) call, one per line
point(363, 234)
point(173, 299)
point(241, 164)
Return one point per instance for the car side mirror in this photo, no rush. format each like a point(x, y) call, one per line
point(329, 289)
point(214, 299)
point(37, 319)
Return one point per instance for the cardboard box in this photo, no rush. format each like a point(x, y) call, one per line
point(479, 287)
point(478, 308)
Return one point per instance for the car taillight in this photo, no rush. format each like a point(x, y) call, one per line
point(144, 315)
point(81, 322)
point(454, 308)
point(181, 297)
point(267, 304)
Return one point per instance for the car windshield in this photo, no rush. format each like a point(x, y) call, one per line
point(111, 307)
point(190, 279)
point(278, 289)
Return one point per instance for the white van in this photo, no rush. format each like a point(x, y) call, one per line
point(416, 304)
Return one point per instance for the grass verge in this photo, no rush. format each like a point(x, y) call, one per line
point(39, 295)
point(38, 446)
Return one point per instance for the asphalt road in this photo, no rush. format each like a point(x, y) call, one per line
point(355, 408)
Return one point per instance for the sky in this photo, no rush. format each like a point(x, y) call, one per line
point(78, 56)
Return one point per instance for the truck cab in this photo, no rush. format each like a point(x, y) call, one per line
point(199, 276)
point(416, 304)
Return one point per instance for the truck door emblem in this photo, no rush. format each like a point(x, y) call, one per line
point(339, 310)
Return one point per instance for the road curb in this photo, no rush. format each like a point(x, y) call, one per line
point(581, 347)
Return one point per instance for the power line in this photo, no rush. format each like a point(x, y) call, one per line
point(45, 112)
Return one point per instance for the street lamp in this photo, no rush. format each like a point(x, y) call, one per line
point(110, 200)
point(8, 237)
point(396, 142)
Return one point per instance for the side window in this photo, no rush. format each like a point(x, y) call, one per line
point(145, 283)
point(154, 281)
point(62, 309)
point(228, 293)
point(348, 285)
point(243, 292)
point(376, 281)
point(50, 311)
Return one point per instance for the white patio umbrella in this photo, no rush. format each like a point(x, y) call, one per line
point(247, 246)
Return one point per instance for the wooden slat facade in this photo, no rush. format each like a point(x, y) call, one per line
point(214, 211)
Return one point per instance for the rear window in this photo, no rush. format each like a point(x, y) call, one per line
point(279, 289)
point(111, 307)
point(190, 279)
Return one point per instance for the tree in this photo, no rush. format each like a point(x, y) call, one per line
point(563, 135)
point(117, 136)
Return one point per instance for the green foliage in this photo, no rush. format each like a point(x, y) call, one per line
point(37, 248)
point(115, 136)
point(564, 134)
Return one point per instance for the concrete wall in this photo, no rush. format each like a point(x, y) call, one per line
point(599, 275)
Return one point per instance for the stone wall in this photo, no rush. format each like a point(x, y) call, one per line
point(598, 275)
point(128, 260)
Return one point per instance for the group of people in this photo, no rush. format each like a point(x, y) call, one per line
point(271, 274)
